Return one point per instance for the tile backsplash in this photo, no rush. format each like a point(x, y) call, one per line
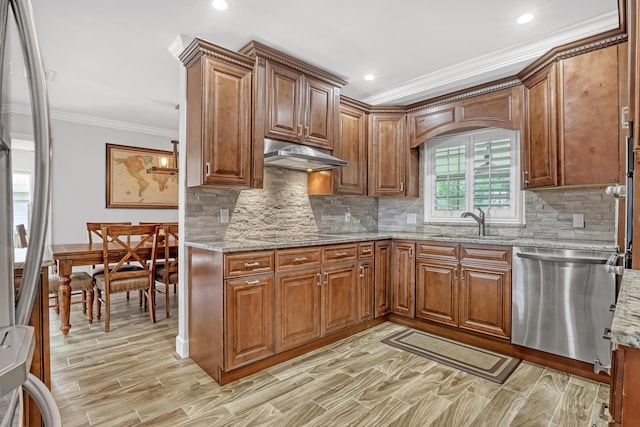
point(284, 206)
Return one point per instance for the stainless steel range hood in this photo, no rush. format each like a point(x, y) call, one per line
point(300, 157)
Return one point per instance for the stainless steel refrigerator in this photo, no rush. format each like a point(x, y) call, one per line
point(16, 338)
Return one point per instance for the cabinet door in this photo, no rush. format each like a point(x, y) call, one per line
point(540, 144)
point(352, 147)
point(319, 113)
point(339, 297)
point(485, 300)
point(589, 117)
point(437, 292)
point(382, 285)
point(366, 279)
point(226, 125)
point(284, 103)
point(297, 308)
point(388, 155)
point(403, 279)
point(249, 306)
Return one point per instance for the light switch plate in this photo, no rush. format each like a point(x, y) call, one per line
point(224, 216)
point(578, 220)
point(411, 218)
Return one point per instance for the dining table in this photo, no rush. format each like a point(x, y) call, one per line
point(70, 255)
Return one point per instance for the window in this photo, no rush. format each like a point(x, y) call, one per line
point(479, 169)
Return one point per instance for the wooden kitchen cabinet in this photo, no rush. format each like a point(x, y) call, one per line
point(366, 285)
point(465, 286)
point(339, 297)
point(403, 284)
point(388, 155)
point(624, 393)
point(219, 115)
point(540, 140)
point(382, 281)
point(300, 108)
point(250, 319)
point(572, 118)
point(351, 145)
point(298, 307)
point(499, 108)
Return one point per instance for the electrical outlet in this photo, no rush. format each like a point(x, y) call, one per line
point(224, 216)
point(578, 220)
point(347, 216)
point(411, 218)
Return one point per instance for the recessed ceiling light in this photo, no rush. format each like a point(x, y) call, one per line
point(369, 77)
point(523, 19)
point(219, 4)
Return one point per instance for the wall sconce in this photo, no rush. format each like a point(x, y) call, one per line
point(163, 169)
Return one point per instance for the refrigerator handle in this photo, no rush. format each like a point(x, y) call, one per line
point(40, 112)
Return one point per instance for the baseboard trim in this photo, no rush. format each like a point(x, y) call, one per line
point(182, 347)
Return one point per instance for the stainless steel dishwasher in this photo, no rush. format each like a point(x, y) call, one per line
point(562, 303)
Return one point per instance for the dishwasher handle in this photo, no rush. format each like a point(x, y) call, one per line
point(547, 258)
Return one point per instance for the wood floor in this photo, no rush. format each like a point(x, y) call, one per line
point(132, 376)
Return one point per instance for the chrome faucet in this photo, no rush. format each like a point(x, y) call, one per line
point(479, 219)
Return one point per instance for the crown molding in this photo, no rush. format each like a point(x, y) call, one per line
point(179, 44)
point(495, 61)
point(94, 121)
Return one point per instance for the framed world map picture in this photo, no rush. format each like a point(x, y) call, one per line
point(129, 185)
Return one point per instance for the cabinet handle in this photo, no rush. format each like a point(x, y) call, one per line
point(455, 274)
point(306, 131)
point(341, 254)
point(251, 264)
point(462, 274)
point(319, 279)
point(207, 168)
point(362, 271)
point(326, 278)
point(401, 185)
point(411, 252)
point(299, 130)
point(252, 282)
point(366, 251)
point(301, 259)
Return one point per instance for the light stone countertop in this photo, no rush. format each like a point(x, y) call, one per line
point(625, 329)
point(290, 240)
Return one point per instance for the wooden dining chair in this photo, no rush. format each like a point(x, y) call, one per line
point(137, 244)
point(22, 235)
point(80, 284)
point(166, 272)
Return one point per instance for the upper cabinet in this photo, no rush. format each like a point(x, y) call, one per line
point(299, 108)
point(351, 146)
point(296, 102)
point(388, 155)
point(573, 116)
point(219, 107)
point(500, 108)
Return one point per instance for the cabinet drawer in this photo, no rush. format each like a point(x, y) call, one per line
point(485, 253)
point(248, 263)
point(437, 250)
point(291, 259)
point(365, 250)
point(339, 253)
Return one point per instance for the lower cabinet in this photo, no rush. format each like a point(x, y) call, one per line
point(366, 285)
point(465, 286)
point(382, 285)
point(339, 297)
point(249, 314)
point(625, 394)
point(403, 284)
point(298, 307)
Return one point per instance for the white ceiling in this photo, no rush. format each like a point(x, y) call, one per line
point(110, 59)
